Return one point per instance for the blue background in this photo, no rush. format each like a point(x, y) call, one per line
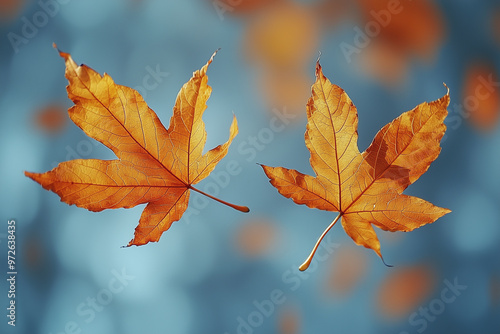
point(198, 278)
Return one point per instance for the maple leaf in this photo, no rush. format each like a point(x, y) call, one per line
point(155, 165)
point(365, 188)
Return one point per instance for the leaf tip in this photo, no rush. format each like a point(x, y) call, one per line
point(262, 165)
point(133, 243)
point(213, 55)
point(64, 55)
point(446, 211)
point(211, 59)
point(234, 125)
point(318, 68)
point(31, 175)
point(266, 170)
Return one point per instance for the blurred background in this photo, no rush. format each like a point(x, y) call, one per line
point(218, 270)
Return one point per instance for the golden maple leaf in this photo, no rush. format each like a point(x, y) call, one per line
point(155, 165)
point(365, 188)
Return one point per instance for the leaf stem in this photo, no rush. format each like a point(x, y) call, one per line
point(234, 206)
point(307, 262)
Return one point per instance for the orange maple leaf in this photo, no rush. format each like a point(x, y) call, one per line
point(365, 188)
point(155, 165)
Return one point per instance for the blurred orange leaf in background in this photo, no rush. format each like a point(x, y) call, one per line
point(286, 89)
point(282, 37)
point(365, 188)
point(349, 265)
point(384, 63)
point(155, 165)
point(404, 290)
point(51, 119)
point(34, 253)
point(9, 9)
point(481, 101)
point(255, 237)
point(417, 29)
point(280, 42)
point(289, 321)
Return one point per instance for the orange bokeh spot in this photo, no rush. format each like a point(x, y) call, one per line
point(349, 267)
point(255, 237)
point(412, 29)
point(52, 118)
point(480, 100)
point(289, 321)
point(9, 9)
point(285, 36)
point(404, 290)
